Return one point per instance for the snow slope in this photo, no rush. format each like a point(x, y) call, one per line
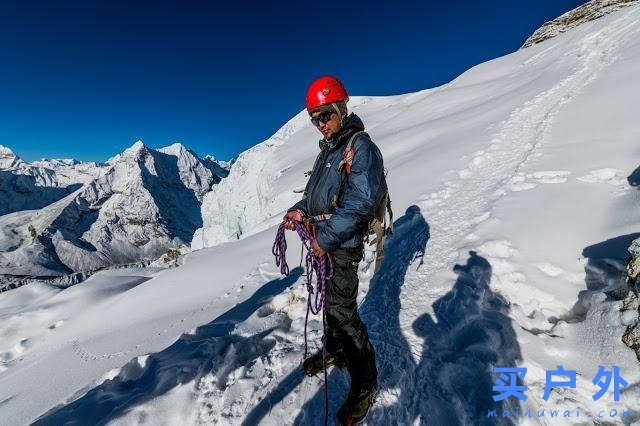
point(512, 215)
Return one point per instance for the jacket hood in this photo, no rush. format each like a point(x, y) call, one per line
point(351, 122)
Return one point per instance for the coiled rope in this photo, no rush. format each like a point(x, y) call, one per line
point(323, 269)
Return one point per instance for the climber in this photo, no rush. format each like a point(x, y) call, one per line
point(339, 202)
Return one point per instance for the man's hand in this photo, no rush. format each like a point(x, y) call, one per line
point(293, 215)
point(316, 249)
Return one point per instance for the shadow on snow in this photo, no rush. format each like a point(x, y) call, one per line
point(470, 334)
point(22, 192)
point(604, 273)
point(451, 381)
point(634, 178)
point(380, 313)
point(190, 357)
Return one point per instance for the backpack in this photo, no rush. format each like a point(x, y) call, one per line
point(378, 225)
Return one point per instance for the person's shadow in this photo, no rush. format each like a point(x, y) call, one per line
point(185, 360)
point(471, 334)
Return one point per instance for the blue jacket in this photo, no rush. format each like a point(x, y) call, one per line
point(347, 226)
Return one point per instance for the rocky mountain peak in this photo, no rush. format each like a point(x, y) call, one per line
point(5, 151)
point(135, 150)
point(8, 159)
point(589, 11)
point(176, 149)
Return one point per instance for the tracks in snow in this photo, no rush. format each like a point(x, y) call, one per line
point(452, 214)
point(431, 367)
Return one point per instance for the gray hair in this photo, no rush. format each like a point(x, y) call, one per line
point(339, 107)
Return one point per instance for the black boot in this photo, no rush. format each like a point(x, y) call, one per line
point(357, 404)
point(313, 365)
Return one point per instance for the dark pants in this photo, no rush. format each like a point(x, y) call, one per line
point(345, 330)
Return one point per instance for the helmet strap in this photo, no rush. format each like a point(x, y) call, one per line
point(335, 107)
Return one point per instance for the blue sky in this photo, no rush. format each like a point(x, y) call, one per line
point(87, 79)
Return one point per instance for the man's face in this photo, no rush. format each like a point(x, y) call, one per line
point(329, 128)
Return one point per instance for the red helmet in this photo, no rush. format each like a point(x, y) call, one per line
point(325, 90)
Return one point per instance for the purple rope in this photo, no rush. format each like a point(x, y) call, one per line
point(323, 268)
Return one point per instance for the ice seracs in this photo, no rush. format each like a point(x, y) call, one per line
point(250, 194)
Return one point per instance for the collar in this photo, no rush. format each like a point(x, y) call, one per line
point(328, 145)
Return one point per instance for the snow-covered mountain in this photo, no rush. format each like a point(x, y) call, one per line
point(146, 202)
point(51, 172)
point(28, 186)
point(511, 189)
point(8, 159)
point(225, 165)
point(69, 171)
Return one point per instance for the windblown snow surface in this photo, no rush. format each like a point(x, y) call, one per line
point(513, 210)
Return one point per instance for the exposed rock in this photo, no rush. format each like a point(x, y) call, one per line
point(587, 12)
point(631, 337)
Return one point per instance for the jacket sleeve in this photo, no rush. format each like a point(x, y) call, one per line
point(359, 196)
point(300, 206)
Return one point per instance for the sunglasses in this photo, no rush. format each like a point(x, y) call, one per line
point(322, 118)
